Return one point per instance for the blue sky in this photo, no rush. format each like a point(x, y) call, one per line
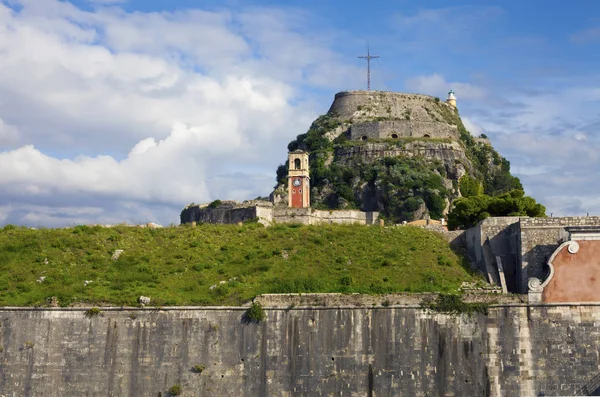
point(126, 111)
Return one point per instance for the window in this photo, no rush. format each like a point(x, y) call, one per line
point(297, 164)
point(300, 191)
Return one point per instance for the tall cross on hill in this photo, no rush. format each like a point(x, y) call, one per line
point(368, 57)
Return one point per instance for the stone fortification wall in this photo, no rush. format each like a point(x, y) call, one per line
point(232, 212)
point(309, 216)
point(539, 237)
point(229, 212)
point(367, 105)
point(402, 129)
point(382, 351)
point(495, 237)
point(524, 245)
point(452, 154)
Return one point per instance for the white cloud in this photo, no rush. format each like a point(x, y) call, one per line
point(145, 111)
point(9, 134)
point(473, 128)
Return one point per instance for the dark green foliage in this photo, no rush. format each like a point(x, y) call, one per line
point(470, 186)
point(175, 390)
point(215, 204)
point(282, 172)
point(468, 211)
point(403, 183)
point(254, 314)
point(93, 312)
point(453, 304)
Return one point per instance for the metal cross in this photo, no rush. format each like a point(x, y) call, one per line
point(368, 57)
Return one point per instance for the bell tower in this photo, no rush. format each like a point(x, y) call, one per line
point(298, 180)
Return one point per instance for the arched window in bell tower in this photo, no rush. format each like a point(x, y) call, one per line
point(297, 164)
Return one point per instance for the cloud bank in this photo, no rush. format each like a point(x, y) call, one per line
point(108, 116)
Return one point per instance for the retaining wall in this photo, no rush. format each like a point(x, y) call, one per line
point(383, 351)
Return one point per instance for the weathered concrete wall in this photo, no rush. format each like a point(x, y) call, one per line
point(514, 351)
point(402, 128)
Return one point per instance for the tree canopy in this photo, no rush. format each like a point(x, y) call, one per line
point(468, 211)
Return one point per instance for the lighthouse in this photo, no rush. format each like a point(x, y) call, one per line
point(451, 100)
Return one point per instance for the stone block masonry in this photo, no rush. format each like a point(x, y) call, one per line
point(516, 350)
point(231, 212)
point(402, 129)
point(524, 245)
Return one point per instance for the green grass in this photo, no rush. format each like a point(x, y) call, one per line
point(178, 265)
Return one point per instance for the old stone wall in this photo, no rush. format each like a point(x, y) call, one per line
point(373, 351)
point(229, 212)
point(369, 105)
point(539, 237)
point(309, 216)
point(492, 237)
point(524, 245)
point(451, 154)
point(232, 213)
point(402, 128)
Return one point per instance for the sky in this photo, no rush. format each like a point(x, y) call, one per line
point(126, 111)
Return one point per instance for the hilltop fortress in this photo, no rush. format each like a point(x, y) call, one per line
point(383, 124)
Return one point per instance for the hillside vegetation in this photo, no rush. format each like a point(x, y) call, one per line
point(218, 264)
point(405, 186)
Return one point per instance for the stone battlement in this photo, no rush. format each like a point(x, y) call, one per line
point(265, 213)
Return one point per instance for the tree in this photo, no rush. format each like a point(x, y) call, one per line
point(468, 211)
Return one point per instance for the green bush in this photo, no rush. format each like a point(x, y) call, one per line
point(453, 304)
point(215, 204)
point(93, 312)
point(468, 211)
point(254, 314)
point(175, 390)
point(198, 368)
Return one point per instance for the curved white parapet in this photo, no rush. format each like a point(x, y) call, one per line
point(535, 285)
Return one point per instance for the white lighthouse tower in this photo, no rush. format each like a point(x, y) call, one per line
point(451, 100)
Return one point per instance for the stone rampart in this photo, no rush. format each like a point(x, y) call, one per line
point(402, 129)
point(233, 212)
point(515, 350)
point(523, 244)
point(539, 237)
point(365, 105)
point(309, 216)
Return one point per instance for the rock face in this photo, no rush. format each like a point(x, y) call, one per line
point(425, 136)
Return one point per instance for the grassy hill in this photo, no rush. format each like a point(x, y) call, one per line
point(182, 265)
